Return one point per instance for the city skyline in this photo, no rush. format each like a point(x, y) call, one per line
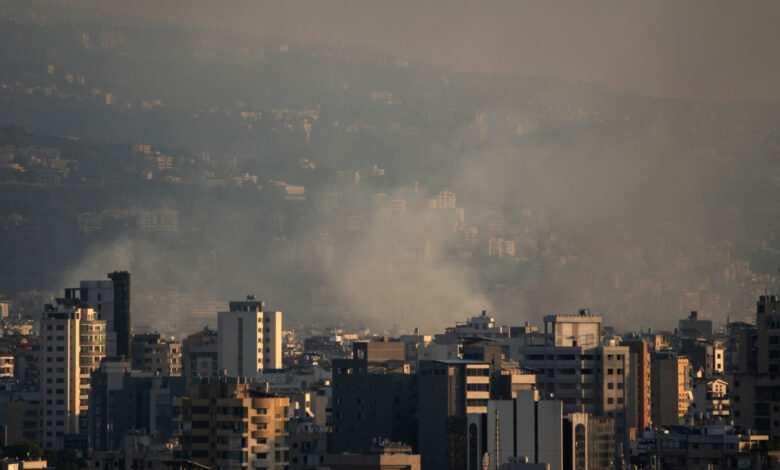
point(389, 235)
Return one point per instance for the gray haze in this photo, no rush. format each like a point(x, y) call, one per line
point(699, 49)
point(638, 208)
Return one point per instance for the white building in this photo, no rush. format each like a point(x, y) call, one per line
point(73, 342)
point(249, 339)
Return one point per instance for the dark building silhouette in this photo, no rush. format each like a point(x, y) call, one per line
point(374, 398)
point(111, 300)
point(448, 392)
point(756, 388)
point(122, 323)
point(123, 401)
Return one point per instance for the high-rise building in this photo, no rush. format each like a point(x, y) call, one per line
point(249, 339)
point(111, 300)
point(226, 425)
point(374, 397)
point(449, 391)
point(672, 389)
point(73, 342)
point(756, 402)
point(639, 385)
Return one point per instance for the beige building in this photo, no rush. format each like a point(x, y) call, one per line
point(224, 424)
point(711, 401)
point(6, 365)
point(583, 330)
point(371, 462)
point(152, 352)
point(24, 465)
point(73, 342)
point(249, 339)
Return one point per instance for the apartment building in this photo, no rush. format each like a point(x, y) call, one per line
point(199, 355)
point(111, 300)
point(124, 401)
point(639, 389)
point(73, 342)
point(755, 398)
point(448, 391)
point(374, 397)
point(226, 425)
point(152, 352)
point(711, 401)
point(249, 339)
point(7, 365)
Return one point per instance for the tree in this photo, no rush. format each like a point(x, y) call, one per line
point(23, 451)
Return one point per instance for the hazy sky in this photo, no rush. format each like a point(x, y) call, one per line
point(710, 49)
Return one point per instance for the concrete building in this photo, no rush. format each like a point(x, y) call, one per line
point(448, 392)
point(308, 444)
point(672, 389)
point(699, 448)
point(199, 355)
point(152, 352)
point(385, 456)
point(73, 342)
point(249, 339)
point(694, 327)
point(136, 452)
point(374, 398)
point(23, 422)
point(7, 464)
point(711, 401)
point(481, 326)
point(572, 365)
point(391, 353)
point(6, 365)
point(639, 389)
point(225, 425)
point(124, 401)
point(755, 398)
point(583, 330)
point(701, 354)
point(527, 429)
point(505, 383)
point(111, 300)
